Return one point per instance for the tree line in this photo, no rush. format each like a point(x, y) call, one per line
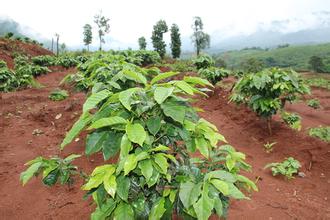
point(200, 39)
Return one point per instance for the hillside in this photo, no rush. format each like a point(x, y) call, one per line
point(296, 57)
point(9, 47)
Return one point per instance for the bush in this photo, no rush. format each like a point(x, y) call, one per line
point(213, 74)
point(266, 92)
point(314, 103)
point(322, 133)
point(316, 64)
point(287, 168)
point(252, 65)
point(58, 95)
point(203, 61)
point(220, 63)
point(45, 60)
point(9, 35)
point(3, 64)
point(292, 119)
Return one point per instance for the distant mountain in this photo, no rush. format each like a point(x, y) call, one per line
point(9, 25)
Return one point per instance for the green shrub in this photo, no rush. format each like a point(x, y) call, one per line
point(266, 92)
point(45, 60)
point(287, 168)
point(213, 74)
point(322, 133)
point(203, 61)
point(53, 170)
point(3, 64)
point(314, 103)
point(292, 119)
point(58, 95)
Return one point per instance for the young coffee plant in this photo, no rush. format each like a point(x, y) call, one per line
point(287, 168)
point(266, 92)
point(292, 119)
point(269, 146)
point(45, 60)
point(154, 133)
point(58, 95)
point(213, 74)
point(314, 103)
point(322, 133)
point(203, 61)
point(53, 170)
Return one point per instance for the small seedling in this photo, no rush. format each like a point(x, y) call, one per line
point(292, 119)
point(52, 170)
point(287, 168)
point(269, 146)
point(314, 103)
point(320, 132)
point(58, 95)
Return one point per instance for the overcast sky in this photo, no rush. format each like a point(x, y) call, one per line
point(135, 18)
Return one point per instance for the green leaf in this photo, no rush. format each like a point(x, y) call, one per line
point(95, 141)
point(136, 133)
point(146, 169)
point(189, 193)
point(197, 80)
point(125, 147)
point(163, 76)
point(174, 110)
point(125, 97)
point(222, 186)
point(235, 193)
point(185, 87)
point(157, 210)
point(93, 100)
point(134, 75)
point(222, 175)
point(218, 206)
point(123, 212)
point(71, 157)
point(204, 205)
point(162, 93)
point(159, 148)
point(248, 182)
point(154, 124)
point(202, 146)
point(103, 122)
point(30, 172)
point(162, 162)
point(113, 146)
point(130, 163)
point(93, 182)
point(101, 213)
point(123, 185)
point(76, 129)
point(154, 178)
point(110, 185)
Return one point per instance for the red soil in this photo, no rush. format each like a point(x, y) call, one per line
point(23, 111)
point(9, 47)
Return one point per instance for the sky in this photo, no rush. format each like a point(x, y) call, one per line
point(131, 19)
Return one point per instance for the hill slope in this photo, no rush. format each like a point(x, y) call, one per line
point(296, 57)
point(8, 48)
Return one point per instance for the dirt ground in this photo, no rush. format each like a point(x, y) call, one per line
point(24, 111)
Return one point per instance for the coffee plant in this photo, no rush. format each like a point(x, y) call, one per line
point(53, 170)
point(292, 119)
point(287, 168)
point(203, 61)
point(58, 95)
point(314, 103)
point(267, 91)
point(320, 132)
point(168, 158)
point(213, 74)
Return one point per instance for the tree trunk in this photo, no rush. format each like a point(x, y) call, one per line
point(87, 47)
point(53, 45)
point(57, 52)
point(100, 42)
point(269, 120)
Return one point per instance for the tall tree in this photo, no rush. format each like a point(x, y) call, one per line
point(103, 26)
point(142, 43)
point(175, 41)
point(200, 39)
point(88, 35)
point(157, 37)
